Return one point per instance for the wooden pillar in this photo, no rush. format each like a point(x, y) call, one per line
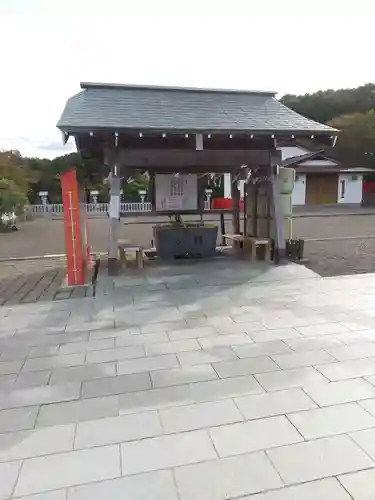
point(235, 205)
point(263, 210)
point(245, 193)
point(251, 201)
point(249, 208)
point(255, 193)
point(114, 217)
point(277, 210)
point(268, 214)
point(151, 190)
point(222, 229)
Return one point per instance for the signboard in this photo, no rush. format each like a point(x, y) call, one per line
point(174, 203)
point(176, 192)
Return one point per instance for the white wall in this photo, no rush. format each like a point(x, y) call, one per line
point(299, 190)
point(352, 192)
point(319, 163)
point(292, 151)
point(298, 195)
point(227, 187)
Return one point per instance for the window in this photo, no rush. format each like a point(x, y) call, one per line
point(354, 177)
point(177, 187)
point(342, 189)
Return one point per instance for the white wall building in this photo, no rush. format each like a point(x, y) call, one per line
point(319, 180)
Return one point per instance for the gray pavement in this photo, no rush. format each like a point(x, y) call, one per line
point(45, 236)
point(205, 381)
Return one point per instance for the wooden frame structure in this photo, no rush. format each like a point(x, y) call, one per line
point(182, 130)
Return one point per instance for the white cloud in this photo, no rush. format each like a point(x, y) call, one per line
point(48, 47)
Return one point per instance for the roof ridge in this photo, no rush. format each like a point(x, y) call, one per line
point(101, 106)
point(301, 158)
point(101, 85)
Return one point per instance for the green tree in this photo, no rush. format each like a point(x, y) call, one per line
point(326, 105)
point(349, 110)
point(131, 189)
point(90, 174)
point(14, 183)
point(12, 167)
point(12, 198)
point(356, 144)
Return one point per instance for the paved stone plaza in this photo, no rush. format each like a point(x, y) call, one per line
point(206, 381)
point(45, 236)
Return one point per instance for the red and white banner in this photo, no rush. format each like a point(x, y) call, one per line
point(74, 240)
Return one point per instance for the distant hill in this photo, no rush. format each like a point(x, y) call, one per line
point(326, 105)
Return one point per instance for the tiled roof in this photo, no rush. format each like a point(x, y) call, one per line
point(117, 107)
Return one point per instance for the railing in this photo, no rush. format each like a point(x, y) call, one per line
point(136, 207)
point(95, 208)
point(40, 210)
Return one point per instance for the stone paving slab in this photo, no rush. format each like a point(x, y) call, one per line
point(360, 485)
point(324, 489)
point(68, 469)
point(151, 486)
point(30, 281)
point(258, 383)
point(227, 478)
point(301, 462)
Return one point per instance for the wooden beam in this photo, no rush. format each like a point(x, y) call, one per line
point(198, 161)
point(237, 142)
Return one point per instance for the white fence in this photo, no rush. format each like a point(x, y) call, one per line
point(99, 209)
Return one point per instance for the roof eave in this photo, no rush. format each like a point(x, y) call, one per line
point(100, 85)
point(329, 169)
point(295, 160)
point(277, 132)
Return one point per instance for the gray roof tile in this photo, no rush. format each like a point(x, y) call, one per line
point(106, 106)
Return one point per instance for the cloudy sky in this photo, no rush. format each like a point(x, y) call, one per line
point(291, 46)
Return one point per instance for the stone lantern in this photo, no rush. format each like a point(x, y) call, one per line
point(208, 192)
point(94, 196)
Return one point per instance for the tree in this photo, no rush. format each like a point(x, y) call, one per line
point(325, 105)
point(131, 189)
point(356, 144)
point(349, 110)
point(14, 183)
point(12, 167)
point(12, 198)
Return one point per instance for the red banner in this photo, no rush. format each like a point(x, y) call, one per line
point(224, 204)
point(73, 231)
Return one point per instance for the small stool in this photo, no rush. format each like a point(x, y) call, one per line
point(236, 239)
point(125, 247)
point(253, 243)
